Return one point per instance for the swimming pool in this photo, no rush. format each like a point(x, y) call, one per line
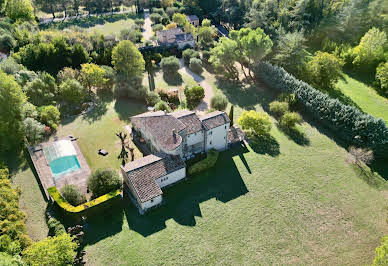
point(64, 165)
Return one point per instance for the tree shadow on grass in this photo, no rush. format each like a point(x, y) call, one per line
point(182, 201)
point(295, 135)
point(338, 94)
point(173, 79)
point(264, 144)
point(126, 108)
point(99, 109)
point(370, 177)
point(245, 96)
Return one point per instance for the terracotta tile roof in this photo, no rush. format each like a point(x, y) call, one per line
point(189, 119)
point(214, 119)
point(235, 135)
point(142, 173)
point(160, 125)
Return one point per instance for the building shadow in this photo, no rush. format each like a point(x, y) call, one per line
point(182, 201)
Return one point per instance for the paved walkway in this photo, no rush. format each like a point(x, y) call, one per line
point(209, 93)
point(147, 33)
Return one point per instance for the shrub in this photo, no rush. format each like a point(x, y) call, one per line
point(381, 253)
point(288, 98)
point(196, 65)
point(165, 19)
point(55, 227)
point(72, 195)
point(159, 11)
point(194, 95)
point(34, 130)
point(72, 91)
point(103, 181)
point(219, 102)
point(258, 123)
point(49, 115)
point(188, 54)
point(157, 27)
point(170, 65)
point(206, 56)
point(163, 93)
point(205, 164)
point(139, 22)
point(152, 98)
point(278, 108)
point(162, 106)
point(350, 124)
point(290, 119)
point(155, 18)
point(382, 77)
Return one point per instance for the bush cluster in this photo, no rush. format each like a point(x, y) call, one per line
point(218, 102)
point(73, 195)
point(103, 181)
point(352, 125)
point(205, 164)
point(189, 54)
point(55, 227)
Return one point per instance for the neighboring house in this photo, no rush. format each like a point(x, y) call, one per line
point(182, 133)
point(175, 37)
point(146, 177)
point(193, 20)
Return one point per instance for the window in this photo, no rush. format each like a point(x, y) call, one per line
point(225, 127)
point(210, 133)
point(152, 200)
point(210, 143)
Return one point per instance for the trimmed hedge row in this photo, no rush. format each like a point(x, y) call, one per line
point(54, 193)
point(206, 163)
point(352, 125)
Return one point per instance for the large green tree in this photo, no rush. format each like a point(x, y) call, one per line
point(258, 123)
point(127, 59)
point(224, 55)
point(12, 99)
point(57, 250)
point(19, 10)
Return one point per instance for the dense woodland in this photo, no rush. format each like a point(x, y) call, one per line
point(307, 45)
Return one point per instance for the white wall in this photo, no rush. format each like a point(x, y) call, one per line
point(195, 138)
point(151, 203)
point(218, 139)
point(171, 178)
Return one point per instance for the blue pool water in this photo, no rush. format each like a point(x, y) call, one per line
point(64, 165)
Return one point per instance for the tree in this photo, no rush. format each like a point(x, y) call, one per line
point(50, 116)
point(206, 23)
point(92, 75)
point(152, 98)
point(12, 99)
point(170, 65)
point(324, 70)
point(180, 19)
point(127, 59)
point(188, 54)
point(196, 65)
point(34, 130)
point(103, 181)
point(166, 3)
point(224, 55)
point(72, 91)
point(231, 115)
point(7, 42)
point(162, 106)
point(278, 108)
point(291, 53)
point(381, 251)
point(258, 123)
point(206, 35)
point(382, 76)
point(219, 102)
point(290, 119)
point(42, 90)
point(370, 52)
point(73, 195)
point(194, 95)
point(155, 18)
point(360, 156)
point(19, 10)
point(170, 26)
point(57, 250)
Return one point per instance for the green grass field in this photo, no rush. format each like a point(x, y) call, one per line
point(275, 202)
point(110, 28)
point(365, 97)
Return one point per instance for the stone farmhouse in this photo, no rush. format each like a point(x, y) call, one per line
point(175, 37)
point(172, 138)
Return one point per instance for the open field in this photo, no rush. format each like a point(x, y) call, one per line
point(275, 201)
point(365, 97)
point(110, 28)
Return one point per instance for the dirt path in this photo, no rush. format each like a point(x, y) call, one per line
point(209, 93)
point(147, 33)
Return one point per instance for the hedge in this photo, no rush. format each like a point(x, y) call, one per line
point(54, 193)
point(206, 163)
point(349, 123)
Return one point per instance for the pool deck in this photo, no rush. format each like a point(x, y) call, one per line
point(78, 177)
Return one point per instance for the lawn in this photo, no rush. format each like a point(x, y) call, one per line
point(110, 28)
point(365, 97)
point(275, 202)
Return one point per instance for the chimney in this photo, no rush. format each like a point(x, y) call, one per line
point(174, 135)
